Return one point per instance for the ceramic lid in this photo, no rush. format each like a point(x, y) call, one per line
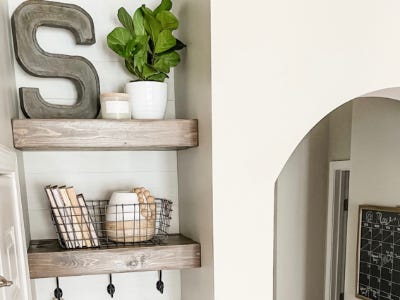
point(114, 95)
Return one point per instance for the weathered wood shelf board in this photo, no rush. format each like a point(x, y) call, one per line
point(47, 259)
point(99, 134)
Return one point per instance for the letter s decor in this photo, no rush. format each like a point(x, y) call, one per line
point(34, 60)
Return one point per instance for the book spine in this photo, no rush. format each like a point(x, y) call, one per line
point(77, 231)
point(93, 234)
point(78, 211)
point(58, 219)
point(65, 216)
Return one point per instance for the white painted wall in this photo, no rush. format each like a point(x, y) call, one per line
point(96, 174)
point(278, 67)
point(300, 211)
point(193, 82)
point(374, 179)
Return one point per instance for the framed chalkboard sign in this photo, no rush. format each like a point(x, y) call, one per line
point(378, 254)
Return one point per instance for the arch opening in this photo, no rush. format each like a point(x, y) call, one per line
point(363, 135)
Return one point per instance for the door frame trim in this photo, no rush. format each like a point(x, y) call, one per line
point(343, 165)
point(9, 167)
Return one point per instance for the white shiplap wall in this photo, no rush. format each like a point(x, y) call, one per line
point(96, 174)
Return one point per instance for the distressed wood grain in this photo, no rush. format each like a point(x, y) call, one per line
point(47, 259)
point(57, 134)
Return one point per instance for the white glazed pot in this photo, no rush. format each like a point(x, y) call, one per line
point(121, 207)
point(148, 99)
point(127, 221)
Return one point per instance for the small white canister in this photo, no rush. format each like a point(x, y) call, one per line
point(115, 106)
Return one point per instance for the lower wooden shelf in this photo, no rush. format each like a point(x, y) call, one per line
point(47, 259)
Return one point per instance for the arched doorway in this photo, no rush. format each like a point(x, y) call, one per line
point(363, 131)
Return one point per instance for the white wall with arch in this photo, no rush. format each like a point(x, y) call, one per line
point(311, 57)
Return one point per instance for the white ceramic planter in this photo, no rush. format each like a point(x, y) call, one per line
point(148, 99)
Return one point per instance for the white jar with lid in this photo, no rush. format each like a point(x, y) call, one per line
point(115, 106)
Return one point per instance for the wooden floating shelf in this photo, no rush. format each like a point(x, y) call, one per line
point(101, 134)
point(47, 259)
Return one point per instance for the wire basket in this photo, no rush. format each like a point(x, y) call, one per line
point(98, 224)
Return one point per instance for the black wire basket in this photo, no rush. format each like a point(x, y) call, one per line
point(98, 224)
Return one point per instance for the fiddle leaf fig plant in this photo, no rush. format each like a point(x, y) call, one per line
point(146, 41)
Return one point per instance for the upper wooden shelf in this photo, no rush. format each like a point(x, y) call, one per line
point(47, 259)
point(101, 134)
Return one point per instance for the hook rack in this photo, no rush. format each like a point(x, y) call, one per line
point(111, 287)
point(160, 283)
point(58, 293)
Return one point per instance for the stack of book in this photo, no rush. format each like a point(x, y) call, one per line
point(71, 217)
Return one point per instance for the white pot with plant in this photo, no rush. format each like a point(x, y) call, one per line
point(148, 47)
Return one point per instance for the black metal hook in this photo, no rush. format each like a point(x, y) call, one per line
point(160, 283)
point(111, 287)
point(58, 293)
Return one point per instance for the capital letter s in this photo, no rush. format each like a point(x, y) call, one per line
point(34, 60)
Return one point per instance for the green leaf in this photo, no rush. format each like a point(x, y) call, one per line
point(165, 41)
point(138, 22)
point(146, 11)
point(158, 77)
point(179, 46)
point(140, 58)
point(131, 69)
point(164, 62)
point(151, 24)
point(164, 5)
point(126, 20)
point(167, 20)
point(132, 48)
point(148, 71)
point(118, 39)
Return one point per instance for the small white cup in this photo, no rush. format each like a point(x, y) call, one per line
point(115, 106)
